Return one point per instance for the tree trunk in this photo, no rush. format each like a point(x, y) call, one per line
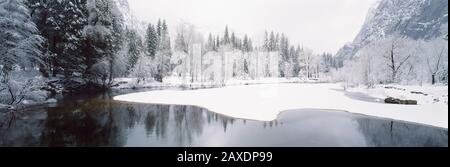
point(433, 79)
point(111, 72)
point(393, 67)
point(44, 70)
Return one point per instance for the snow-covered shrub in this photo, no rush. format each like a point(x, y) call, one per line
point(122, 63)
point(99, 72)
point(22, 87)
point(143, 69)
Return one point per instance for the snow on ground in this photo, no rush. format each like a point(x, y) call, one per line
point(265, 101)
point(427, 94)
point(129, 83)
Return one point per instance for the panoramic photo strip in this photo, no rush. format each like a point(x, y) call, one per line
point(224, 74)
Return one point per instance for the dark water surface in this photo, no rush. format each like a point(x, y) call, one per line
point(99, 121)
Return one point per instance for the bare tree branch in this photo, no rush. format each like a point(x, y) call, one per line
point(438, 64)
point(403, 62)
point(429, 65)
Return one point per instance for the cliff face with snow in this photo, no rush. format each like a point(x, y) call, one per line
point(124, 8)
point(130, 20)
point(417, 19)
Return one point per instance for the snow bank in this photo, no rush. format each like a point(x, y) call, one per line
point(130, 83)
point(427, 94)
point(265, 102)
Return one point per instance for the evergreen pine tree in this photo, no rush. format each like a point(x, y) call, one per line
point(135, 46)
point(151, 40)
point(296, 61)
point(277, 43)
point(266, 46)
point(217, 43)
point(239, 44)
point(284, 55)
point(61, 23)
point(234, 42)
point(211, 44)
point(73, 19)
point(164, 54)
point(159, 28)
point(272, 42)
point(293, 62)
point(226, 37)
point(250, 45)
point(245, 44)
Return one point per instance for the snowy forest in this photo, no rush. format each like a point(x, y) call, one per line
point(63, 46)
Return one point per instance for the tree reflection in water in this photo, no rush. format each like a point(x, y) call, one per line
point(382, 133)
point(104, 122)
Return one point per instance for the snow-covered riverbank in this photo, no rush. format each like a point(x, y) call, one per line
point(135, 83)
point(264, 102)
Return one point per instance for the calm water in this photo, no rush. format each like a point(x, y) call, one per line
point(100, 121)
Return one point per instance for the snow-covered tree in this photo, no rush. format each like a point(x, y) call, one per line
point(187, 36)
point(277, 42)
point(158, 28)
point(134, 48)
point(217, 44)
point(247, 45)
point(394, 49)
point(285, 59)
point(164, 54)
point(292, 63)
point(178, 60)
point(434, 55)
point(246, 68)
point(39, 14)
point(326, 63)
point(296, 62)
point(71, 19)
point(104, 39)
point(180, 44)
point(61, 23)
point(399, 60)
point(369, 69)
point(272, 42)
point(226, 37)
point(250, 45)
point(151, 41)
point(266, 44)
point(234, 40)
point(144, 68)
point(20, 50)
point(21, 43)
point(307, 61)
point(211, 45)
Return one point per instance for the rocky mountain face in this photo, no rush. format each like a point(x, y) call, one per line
point(416, 19)
point(128, 17)
point(130, 20)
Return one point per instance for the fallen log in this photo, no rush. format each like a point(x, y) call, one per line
point(391, 100)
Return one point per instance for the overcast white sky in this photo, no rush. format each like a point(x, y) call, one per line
point(322, 25)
